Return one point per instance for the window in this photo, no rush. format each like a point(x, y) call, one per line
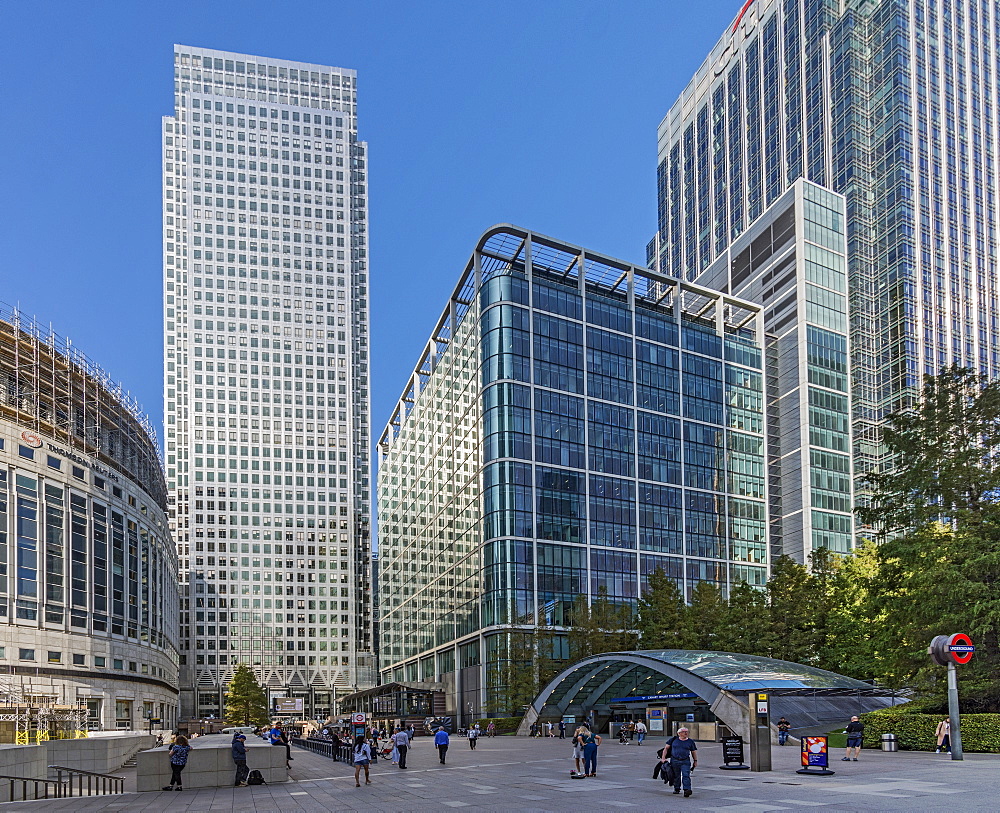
point(26, 452)
point(119, 663)
point(79, 660)
point(54, 462)
point(55, 657)
point(26, 654)
point(100, 661)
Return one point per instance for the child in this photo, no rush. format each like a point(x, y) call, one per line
point(362, 759)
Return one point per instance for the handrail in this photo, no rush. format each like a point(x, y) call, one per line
point(98, 784)
point(326, 748)
point(60, 788)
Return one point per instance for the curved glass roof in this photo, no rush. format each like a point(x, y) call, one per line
point(734, 672)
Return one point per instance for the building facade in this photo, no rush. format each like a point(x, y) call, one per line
point(792, 259)
point(574, 423)
point(88, 571)
point(266, 393)
point(890, 104)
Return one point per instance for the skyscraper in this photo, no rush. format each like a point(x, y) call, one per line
point(893, 105)
point(573, 424)
point(265, 216)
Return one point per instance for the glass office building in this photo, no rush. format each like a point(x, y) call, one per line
point(574, 423)
point(266, 376)
point(893, 105)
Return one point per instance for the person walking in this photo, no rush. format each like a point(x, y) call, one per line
point(591, 742)
point(402, 742)
point(362, 759)
point(178, 759)
point(562, 729)
point(640, 731)
point(855, 733)
point(783, 728)
point(240, 758)
point(491, 730)
point(682, 752)
point(473, 735)
point(441, 741)
point(943, 734)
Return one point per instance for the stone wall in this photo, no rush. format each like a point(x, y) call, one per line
point(101, 754)
point(21, 760)
point(210, 764)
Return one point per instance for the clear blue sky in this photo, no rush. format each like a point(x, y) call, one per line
point(540, 113)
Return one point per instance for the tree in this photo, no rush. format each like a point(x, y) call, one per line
point(790, 634)
point(246, 701)
point(707, 613)
point(600, 626)
point(944, 453)
point(526, 662)
point(664, 620)
point(745, 621)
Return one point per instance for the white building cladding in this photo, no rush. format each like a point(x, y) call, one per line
point(88, 571)
point(893, 105)
point(266, 375)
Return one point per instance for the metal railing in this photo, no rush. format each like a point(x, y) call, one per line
point(58, 789)
point(88, 783)
point(325, 748)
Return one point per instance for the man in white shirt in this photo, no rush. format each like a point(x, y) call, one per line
point(402, 742)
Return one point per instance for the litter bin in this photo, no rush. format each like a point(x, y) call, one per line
point(889, 742)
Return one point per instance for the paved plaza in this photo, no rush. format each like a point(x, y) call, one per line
point(524, 775)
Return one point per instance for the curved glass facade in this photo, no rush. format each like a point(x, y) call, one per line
point(575, 424)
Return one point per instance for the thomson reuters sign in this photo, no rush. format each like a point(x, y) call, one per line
point(31, 439)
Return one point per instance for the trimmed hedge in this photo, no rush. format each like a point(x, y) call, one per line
point(505, 725)
point(915, 732)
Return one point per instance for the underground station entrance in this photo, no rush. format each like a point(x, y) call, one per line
point(708, 692)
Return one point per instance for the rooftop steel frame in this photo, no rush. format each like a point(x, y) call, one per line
point(505, 248)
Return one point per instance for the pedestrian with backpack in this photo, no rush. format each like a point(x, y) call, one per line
point(178, 759)
point(240, 758)
point(362, 759)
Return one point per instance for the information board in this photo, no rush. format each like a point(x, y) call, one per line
point(732, 750)
point(815, 753)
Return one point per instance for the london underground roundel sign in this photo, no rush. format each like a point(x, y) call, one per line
point(961, 648)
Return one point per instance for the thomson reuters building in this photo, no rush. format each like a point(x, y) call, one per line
point(88, 571)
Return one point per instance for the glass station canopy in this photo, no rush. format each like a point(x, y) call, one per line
point(664, 674)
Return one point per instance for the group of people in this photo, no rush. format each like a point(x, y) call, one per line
point(632, 731)
point(547, 729)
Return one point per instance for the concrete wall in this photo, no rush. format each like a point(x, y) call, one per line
point(21, 760)
point(101, 754)
point(210, 763)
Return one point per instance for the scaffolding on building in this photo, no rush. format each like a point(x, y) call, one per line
point(49, 387)
point(36, 717)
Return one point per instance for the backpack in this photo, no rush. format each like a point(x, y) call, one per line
point(255, 777)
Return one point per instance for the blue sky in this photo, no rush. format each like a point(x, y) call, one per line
point(540, 113)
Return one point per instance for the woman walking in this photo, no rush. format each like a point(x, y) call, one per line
point(590, 742)
point(178, 759)
point(362, 759)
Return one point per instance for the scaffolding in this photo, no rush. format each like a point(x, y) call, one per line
point(49, 387)
point(25, 718)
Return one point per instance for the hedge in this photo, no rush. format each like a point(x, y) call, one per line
point(504, 725)
point(915, 732)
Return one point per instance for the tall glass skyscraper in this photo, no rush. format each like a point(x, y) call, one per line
point(574, 423)
point(891, 103)
point(265, 215)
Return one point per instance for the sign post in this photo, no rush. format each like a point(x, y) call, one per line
point(760, 732)
point(815, 757)
point(948, 650)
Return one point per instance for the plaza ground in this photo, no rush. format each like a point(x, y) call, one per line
point(525, 775)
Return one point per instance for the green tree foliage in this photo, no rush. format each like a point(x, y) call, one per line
point(527, 662)
point(664, 622)
point(246, 701)
point(945, 456)
point(600, 626)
